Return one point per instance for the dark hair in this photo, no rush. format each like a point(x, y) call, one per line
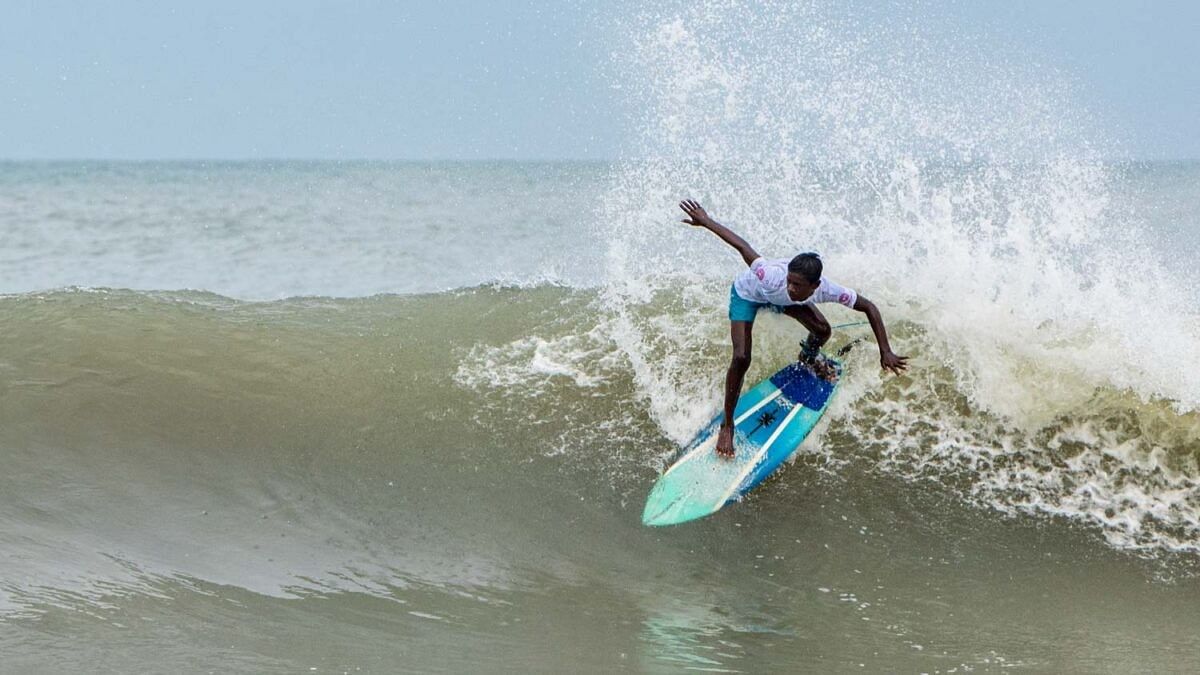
point(807, 265)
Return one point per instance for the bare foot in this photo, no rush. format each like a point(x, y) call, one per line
point(725, 442)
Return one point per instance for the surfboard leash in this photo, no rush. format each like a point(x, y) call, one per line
point(848, 346)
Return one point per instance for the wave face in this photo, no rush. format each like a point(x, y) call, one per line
point(405, 475)
point(411, 419)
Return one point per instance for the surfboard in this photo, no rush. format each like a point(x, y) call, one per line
point(770, 422)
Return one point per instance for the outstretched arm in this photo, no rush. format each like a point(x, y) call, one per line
point(887, 359)
point(699, 218)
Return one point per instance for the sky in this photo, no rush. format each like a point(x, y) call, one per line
point(419, 80)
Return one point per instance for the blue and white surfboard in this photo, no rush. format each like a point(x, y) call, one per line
point(770, 421)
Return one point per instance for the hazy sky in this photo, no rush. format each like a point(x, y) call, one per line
point(467, 80)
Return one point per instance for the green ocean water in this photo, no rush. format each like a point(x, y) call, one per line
point(198, 483)
point(339, 416)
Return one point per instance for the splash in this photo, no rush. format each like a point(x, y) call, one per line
point(1055, 355)
point(966, 193)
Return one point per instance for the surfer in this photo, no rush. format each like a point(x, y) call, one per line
point(792, 287)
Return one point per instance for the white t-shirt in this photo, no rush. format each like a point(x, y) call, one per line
point(766, 282)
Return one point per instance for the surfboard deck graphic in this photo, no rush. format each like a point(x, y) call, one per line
point(770, 422)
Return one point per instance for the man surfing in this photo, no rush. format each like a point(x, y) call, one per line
point(793, 287)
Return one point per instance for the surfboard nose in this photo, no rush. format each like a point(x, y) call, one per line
point(668, 505)
point(668, 516)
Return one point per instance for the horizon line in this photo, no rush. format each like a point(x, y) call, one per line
point(447, 160)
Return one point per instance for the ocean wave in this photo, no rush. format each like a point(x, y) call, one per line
point(547, 374)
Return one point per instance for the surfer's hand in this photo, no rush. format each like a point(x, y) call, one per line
point(697, 216)
point(892, 362)
point(725, 442)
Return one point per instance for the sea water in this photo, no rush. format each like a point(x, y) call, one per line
point(378, 417)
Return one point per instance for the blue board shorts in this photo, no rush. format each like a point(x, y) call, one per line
point(741, 309)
